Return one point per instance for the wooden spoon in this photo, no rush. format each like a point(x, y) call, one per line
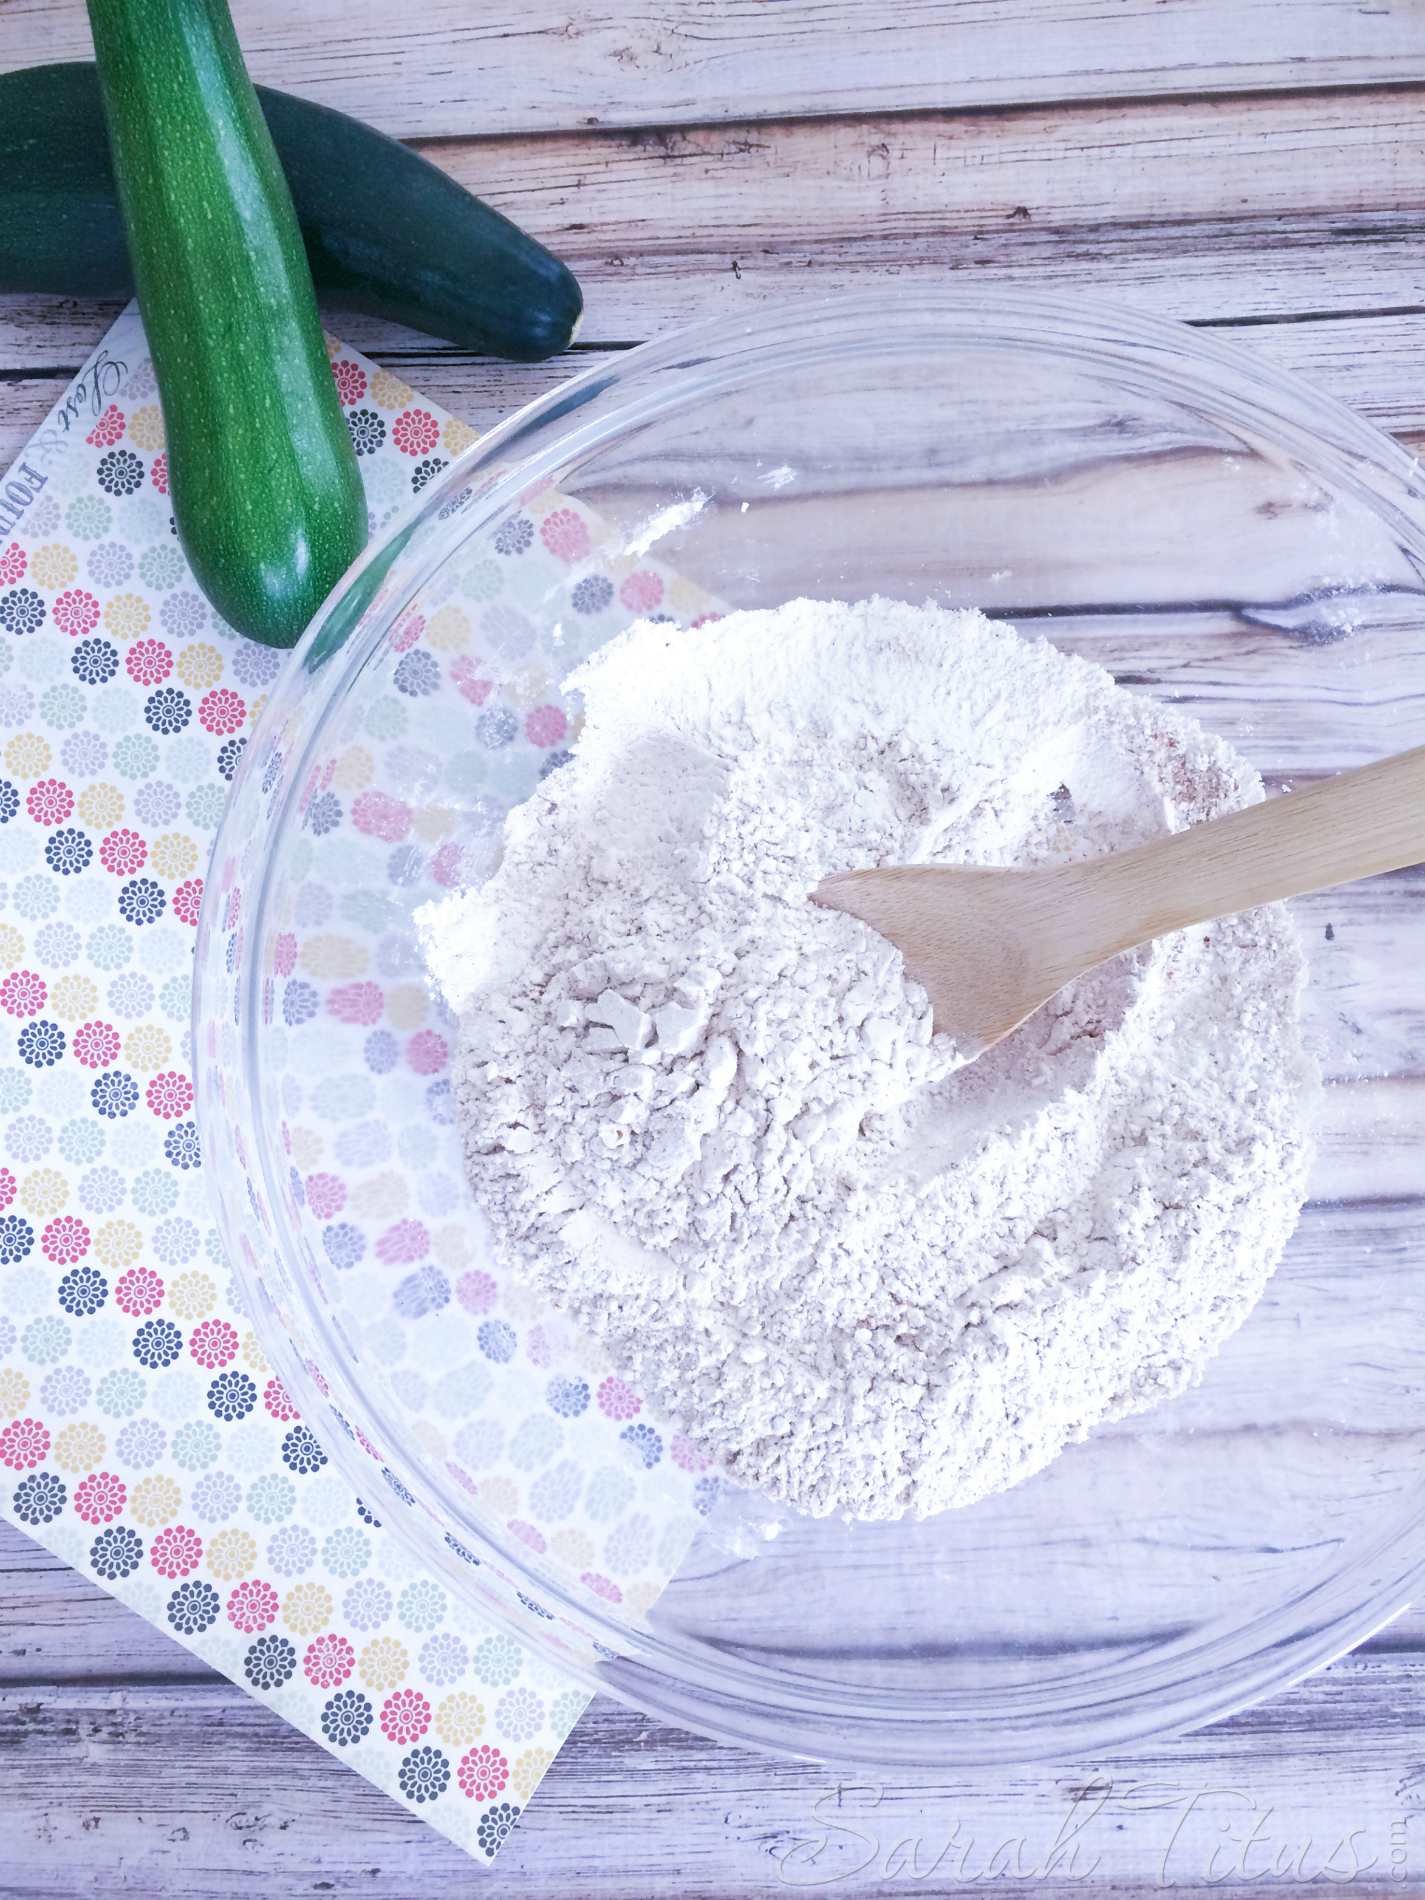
point(991, 945)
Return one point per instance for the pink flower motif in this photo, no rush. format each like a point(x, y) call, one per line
point(24, 1443)
point(314, 1372)
point(356, 1003)
point(546, 726)
point(278, 1404)
point(406, 635)
point(445, 865)
point(381, 816)
point(13, 563)
point(149, 663)
point(139, 1292)
point(601, 1586)
point(527, 1534)
point(483, 1773)
point(463, 1478)
point(350, 379)
point(406, 1717)
point(415, 432)
point(233, 915)
point(7, 1187)
point(329, 1661)
point(326, 1195)
point(617, 1400)
point(407, 1241)
point(252, 1607)
point(466, 674)
point(565, 535)
point(76, 612)
point(188, 900)
point(641, 592)
point(123, 853)
point(170, 1095)
point(704, 620)
point(685, 1456)
point(476, 1292)
point(367, 1446)
point(284, 954)
point(23, 993)
point(214, 1344)
point(158, 474)
point(537, 1345)
point(221, 711)
point(100, 1498)
point(65, 1240)
point(426, 1052)
point(50, 802)
point(176, 1551)
point(107, 429)
point(96, 1044)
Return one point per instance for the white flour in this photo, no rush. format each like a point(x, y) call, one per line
point(709, 1119)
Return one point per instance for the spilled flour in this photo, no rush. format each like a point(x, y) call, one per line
point(710, 1120)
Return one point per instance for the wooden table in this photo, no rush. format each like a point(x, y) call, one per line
point(1254, 166)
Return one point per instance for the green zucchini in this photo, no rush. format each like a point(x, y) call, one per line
point(266, 493)
point(387, 233)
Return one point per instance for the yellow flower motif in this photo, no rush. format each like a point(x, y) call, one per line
point(27, 756)
point(433, 1440)
point(383, 1663)
point(192, 1296)
point(73, 999)
point(14, 1392)
point(334, 346)
point(232, 1554)
point(44, 1193)
point(527, 1770)
point(126, 616)
point(591, 1355)
point(569, 1547)
point(522, 1304)
point(254, 711)
point(148, 1048)
point(389, 392)
point(546, 501)
point(339, 958)
point(448, 630)
point(406, 1006)
point(146, 428)
point(354, 769)
point(253, 1357)
point(457, 436)
point(450, 1247)
point(526, 685)
point(432, 822)
point(308, 1609)
point(53, 566)
point(155, 1501)
point(501, 1496)
point(79, 1448)
point(306, 1149)
point(100, 807)
point(118, 1244)
point(12, 948)
point(200, 667)
point(381, 1198)
point(686, 597)
point(173, 856)
point(639, 1598)
point(459, 1720)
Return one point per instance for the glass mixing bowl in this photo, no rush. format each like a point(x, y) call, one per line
point(1208, 528)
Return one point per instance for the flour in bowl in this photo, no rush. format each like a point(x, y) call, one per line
point(709, 1119)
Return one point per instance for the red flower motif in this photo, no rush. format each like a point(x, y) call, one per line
point(381, 816)
point(123, 853)
point(7, 1187)
point(617, 1400)
point(466, 674)
point(685, 1456)
point(315, 1373)
point(50, 802)
point(357, 1003)
point(427, 1052)
point(483, 1773)
point(24, 1443)
point(170, 1095)
point(221, 711)
point(565, 535)
point(326, 1195)
point(23, 993)
point(149, 663)
point(96, 1044)
point(13, 563)
point(406, 1717)
point(76, 612)
point(188, 900)
point(284, 954)
point(100, 1498)
point(277, 1401)
point(176, 1551)
point(214, 1344)
point(546, 726)
point(139, 1292)
point(107, 429)
point(350, 380)
point(328, 1662)
point(158, 474)
point(601, 1586)
point(415, 432)
point(641, 592)
point(403, 1243)
point(252, 1607)
point(407, 634)
point(65, 1240)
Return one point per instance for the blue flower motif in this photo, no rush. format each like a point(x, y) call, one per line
point(231, 1396)
point(366, 1604)
point(182, 615)
point(41, 1044)
point(495, 727)
point(120, 472)
point(425, 471)
point(17, 1237)
point(114, 1094)
point(497, 1339)
point(425, 1291)
point(443, 1658)
point(182, 1147)
point(9, 801)
point(643, 1444)
point(21, 610)
point(382, 1051)
point(157, 1343)
point(440, 1102)
point(343, 1243)
point(555, 1491)
point(537, 1609)
point(270, 1662)
point(66, 1390)
point(193, 1607)
point(552, 762)
point(706, 1493)
point(367, 1516)
point(95, 662)
point(323, 814)
point(301, 1452)
point(291, 1550)
point(424, 1775)
point(141, 1442)
point(417, 674)
point(368, 431)
point(217, 1496)
point(228, 756)
point(395, 1483)
point(567, 1397)
point(465, 1556)
point(514, 535)
point(254, 665)
point(82, 1291)
point(142, 900)
point(496, 1826)
point(84, 754)
point(116, 1552)
point(347, 1718)
point(156, 803)
point(299, 1004)
point(69, 852)
point(40, 1498)
point(592, 594)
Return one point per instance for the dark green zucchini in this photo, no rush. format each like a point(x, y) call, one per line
point(386, 232)
point(266, 492)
